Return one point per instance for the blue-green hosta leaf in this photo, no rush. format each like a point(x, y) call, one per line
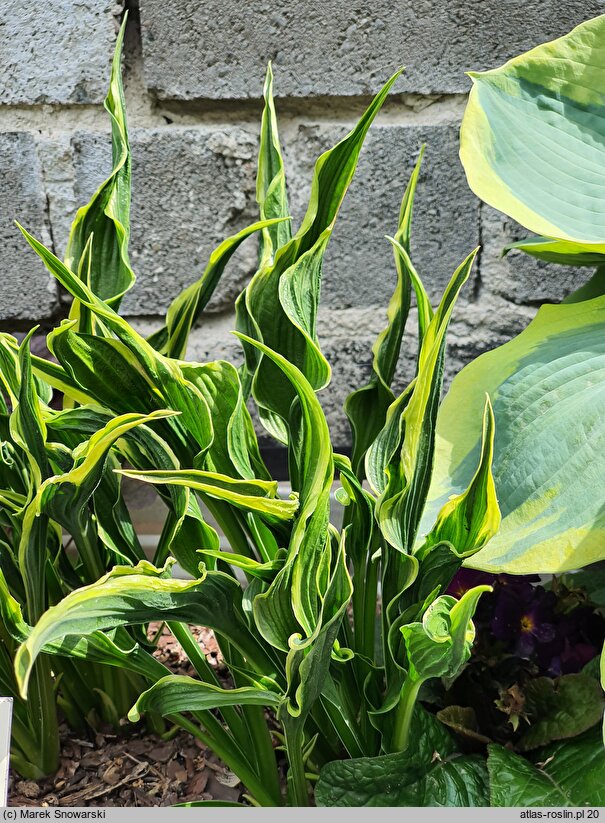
point(187, 307)
point(250, 495)
point(177, 693)
point(106, 219)
point(271, 312)
point(569, 773)
point(532, 138)
point(547, 391)
point(271, 194)
point(135, 595)
point(367, 407)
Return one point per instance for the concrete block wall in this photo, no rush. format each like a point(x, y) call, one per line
point(194, 72)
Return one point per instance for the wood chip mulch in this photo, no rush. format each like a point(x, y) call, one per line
point(135, 768)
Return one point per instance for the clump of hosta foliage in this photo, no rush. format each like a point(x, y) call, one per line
point(493, 484)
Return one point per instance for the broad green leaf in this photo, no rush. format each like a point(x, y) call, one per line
point(104, 224)
point(250, 495)
point(178, 693)
point(425, 775)
point(460, 782)
point(186, 309)
point(532, 138)
point(367, 407)
point(547, 390)
point(569, 773)
point(515, 781)
point(561, 708)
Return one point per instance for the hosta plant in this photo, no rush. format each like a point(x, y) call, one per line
point(320, 680)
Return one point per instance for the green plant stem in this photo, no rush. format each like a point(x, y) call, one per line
point(263, 749)
point(298, 791)
point(404, 713)
point(88, 549)
point(198, 660)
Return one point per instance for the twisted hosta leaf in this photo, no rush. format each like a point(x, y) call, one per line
point(65, 497)
point(547, 391)
point(404, 450)
point(250, 495)
point(271, 194)
point(571, 773)
point(186, 309)
point(274, 313)
point(293, 599)
point(234, 449)
point(134, 595)
point(177, 693)
point(177, 392)
point(441, 644)
point(106, 219)
point(532, 141)
point(470, 519)
point(367, 407)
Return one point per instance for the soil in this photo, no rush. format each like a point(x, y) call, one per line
point(134, 767)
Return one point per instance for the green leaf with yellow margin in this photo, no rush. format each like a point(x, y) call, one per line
point(547, 388)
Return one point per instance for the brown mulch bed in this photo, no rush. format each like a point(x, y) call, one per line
point(135, 768)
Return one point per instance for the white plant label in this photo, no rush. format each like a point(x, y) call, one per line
point(6, 715)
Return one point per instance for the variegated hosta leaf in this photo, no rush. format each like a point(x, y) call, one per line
point(469, 520)
point(548, 392)
point(271, 194)
point(164, 373)
point(367, 406)
point(234, 448)
point(532, 143)
point(441, 644)
point(106, 219)
point(293, 601)
point(283, 316)
point(249, 495)
point(187, 307)
point(136, 595)
point(65, 497)
point(399, 462)
point(178, 693)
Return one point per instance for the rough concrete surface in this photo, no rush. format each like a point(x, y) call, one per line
point(358, 267)
point(56, 51)
point(345, 47)
point(517, 276)
point(26, 289)
point(191, 189)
